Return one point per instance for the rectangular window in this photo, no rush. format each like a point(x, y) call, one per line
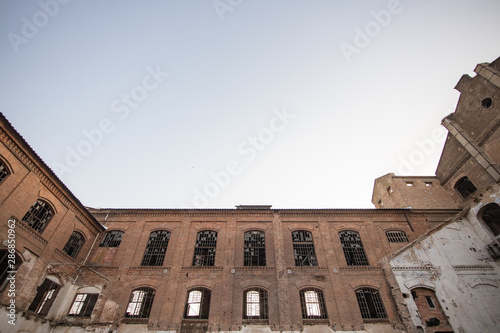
point(44, 298)
point(83, 305)
point(428, 184)
point(409, 184)
point(430, 302)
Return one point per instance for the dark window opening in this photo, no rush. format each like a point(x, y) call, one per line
point(204, 251)
point(74, 244)
point(140, 303)
point(83, 305)
point(9, 262)
point(353, 248)
point(487, 103)
point(370, 303)
point(255, 304)
point(112, 239)
point(430, 302)
point(313, 304)
point(197, 304)
point(491, 216)
point(156, 248)
point(396, 236)
point(39, 215)
point(303, 248)
point(414, 294)
point(465, 187)
point(4, 172)
point(255, 249)
point(44, 298)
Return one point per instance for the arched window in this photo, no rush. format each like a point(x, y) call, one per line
point(74, 244)
point(4, 171)
point(353, 248)
point(491, 216)
point(39, 215)
point(255, 249)
point(9, 262)
point(255, 304)
point(112, 239)
point(396, 236)
point(140, 303)
point(465, 187)
point(370, 303)
point(197, 304)
point(313, 304)
point(303, 248)
point(204, 251)
point(156, 248)
point(45, 296)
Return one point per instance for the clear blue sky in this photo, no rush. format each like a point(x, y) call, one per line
point(295, 104)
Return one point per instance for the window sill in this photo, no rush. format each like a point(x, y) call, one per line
point(135, 320)
point(316, 321)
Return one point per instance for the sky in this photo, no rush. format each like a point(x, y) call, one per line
point(218, 103)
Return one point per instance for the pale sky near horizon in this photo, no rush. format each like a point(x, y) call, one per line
point(295, 104)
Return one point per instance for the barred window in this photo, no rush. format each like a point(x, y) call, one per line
point(313, 304)
point(370, 303)
point(140, 303)
point(303, 248)
point(112, 239)
point(74, 244)
point(255, 304)
point(255, 249)
point(396, 236)
point(9, 262)
point(465, 187)
point(353, 248)
point(4, 172)
point(197, 304)
point(204, 251)
point(44, 298)
point(39, 215)
point(83, 305)
point(156, 248)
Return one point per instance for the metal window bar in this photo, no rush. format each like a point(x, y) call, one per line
point(74, 244)
point(255, 304)
point(353, 248)
point(465, 187)
point(370, 303)
point(197, 304)
point(83, 305)
point(303, 248)
point(313, 304)
point(204, 251)
point(396, 236)
point(39, 215)
point(46, 293)
point(4, 172)
point(254, 249)
point(140, 303)
point(112, 239)
point(156, 248)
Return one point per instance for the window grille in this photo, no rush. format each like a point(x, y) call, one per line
point(44, 298)
point(197, 304)
point(313, 304)
point(7, 265)
point(141, 301)
point(156, 248)
point(370, 303)
point(204, 251)
point(465, 187)
point(353, 248)
point(4, 172)
point(74, 244)
point(39, 215)
point(396, 236)
point(303, 248)
point(255, 304)
point(112, 239)
point(255, 249)
point(83, 305)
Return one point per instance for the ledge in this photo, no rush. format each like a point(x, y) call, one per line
point(216, 268)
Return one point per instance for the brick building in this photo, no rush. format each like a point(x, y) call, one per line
point(256, 268)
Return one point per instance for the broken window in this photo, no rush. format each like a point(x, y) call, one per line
point(112, 239)
point(491, 216)
point(255, 304)
point(465, 187)
point(4, 172)
point(74, 244)
point(197, 304)
point(353, 248)
point(303, 248)
point(44, 298)
point(83, 305)
point(204, 251)
point(39, 215)
point(140, 303)
point(255, 249)
point(370, 303)
point(156, 248)
point(396, 236)
point(313, 304)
